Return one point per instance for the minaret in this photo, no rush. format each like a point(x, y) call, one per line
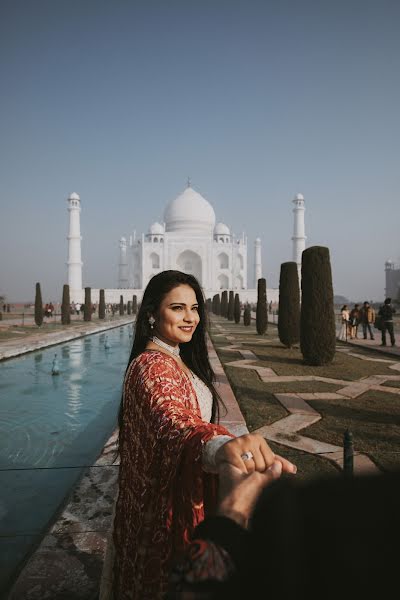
point(123, 265)
point(299, 239)
point(257, 261)
point(74, 248)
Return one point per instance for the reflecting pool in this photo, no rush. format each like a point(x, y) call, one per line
point(51, 426)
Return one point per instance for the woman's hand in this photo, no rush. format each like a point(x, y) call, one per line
point(250, 452)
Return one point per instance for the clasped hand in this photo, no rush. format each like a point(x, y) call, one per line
point(263, 457)
point(241, 481)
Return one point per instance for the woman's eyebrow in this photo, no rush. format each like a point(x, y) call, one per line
point(182, 304)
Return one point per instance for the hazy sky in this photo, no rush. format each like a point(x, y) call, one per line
point(120, 101)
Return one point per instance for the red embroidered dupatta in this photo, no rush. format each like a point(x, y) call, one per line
point(162, 487)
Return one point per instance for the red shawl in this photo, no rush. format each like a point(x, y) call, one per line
point(163, 490)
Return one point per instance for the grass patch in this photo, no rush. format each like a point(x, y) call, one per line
point(393, 384)
point(374, 420)
point(309, 466)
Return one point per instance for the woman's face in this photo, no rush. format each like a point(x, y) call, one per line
point(178, 316)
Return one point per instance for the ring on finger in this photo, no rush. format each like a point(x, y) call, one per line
point(247, 455)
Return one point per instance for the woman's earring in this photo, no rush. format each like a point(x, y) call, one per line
point(151, 321)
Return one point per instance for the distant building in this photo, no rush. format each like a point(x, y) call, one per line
point(189, 239)
point(392, 280)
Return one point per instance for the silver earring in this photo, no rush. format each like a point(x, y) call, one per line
point(151, 321)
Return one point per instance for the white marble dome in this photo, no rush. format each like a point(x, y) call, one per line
point(74, 196)
point(221, 229)
point(156, 229)
point(189, 212)
point(299, 197)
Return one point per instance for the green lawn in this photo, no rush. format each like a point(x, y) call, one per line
point(373, 417)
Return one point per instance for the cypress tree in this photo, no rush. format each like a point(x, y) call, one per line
point(134, 305)
point(217, 309)
point(38, 306)
point(224, 304)
point(121, 305)
point(87, 307)
point(102, 305)
point(247, 315)
point(262, 308)
point(65, 306)
point(289, 305)
point(129, 307)
point(317, 316)
point(231, 303)
point(236, 309)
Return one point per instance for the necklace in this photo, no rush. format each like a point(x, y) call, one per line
point(174, 351)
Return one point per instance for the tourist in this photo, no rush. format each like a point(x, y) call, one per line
point(322, 538)
point(77, 307)
point(367, 319)
point(170, 442)
point(354, 319)
point(386, 313)
point(344, 317)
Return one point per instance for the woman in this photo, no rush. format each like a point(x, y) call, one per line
point(345, 315)
point(170, 444)
point(354, 318)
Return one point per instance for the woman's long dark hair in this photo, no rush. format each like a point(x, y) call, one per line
point(194, 353)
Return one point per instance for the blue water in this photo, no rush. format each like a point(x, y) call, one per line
point(51, 427)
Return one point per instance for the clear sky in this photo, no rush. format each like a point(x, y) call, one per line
point(255, 100)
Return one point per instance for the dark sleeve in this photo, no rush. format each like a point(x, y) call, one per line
point(225, 533)
point(218, 547)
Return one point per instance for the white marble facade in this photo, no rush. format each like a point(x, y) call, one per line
point(189, 240)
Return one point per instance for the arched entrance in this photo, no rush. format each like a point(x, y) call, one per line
point(190, 262)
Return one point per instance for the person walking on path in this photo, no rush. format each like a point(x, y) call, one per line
point(386, 313)
point(170, 443)
point(345, 315)
point(354, 321)
point(367, 320)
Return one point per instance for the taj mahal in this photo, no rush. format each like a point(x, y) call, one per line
point(188, 239)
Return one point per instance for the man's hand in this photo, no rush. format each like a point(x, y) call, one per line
point(238, 491)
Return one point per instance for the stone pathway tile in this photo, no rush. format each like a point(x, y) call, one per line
point(332, 380)
point(354, 390)
point(246, 364)
point(295, 404)
point(369, 358)
point(362, 464)
point(298, 442)
point(386, 388)
point(321, 396)
point(294, 422)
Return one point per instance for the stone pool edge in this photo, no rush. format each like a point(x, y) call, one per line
point(14, 348)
